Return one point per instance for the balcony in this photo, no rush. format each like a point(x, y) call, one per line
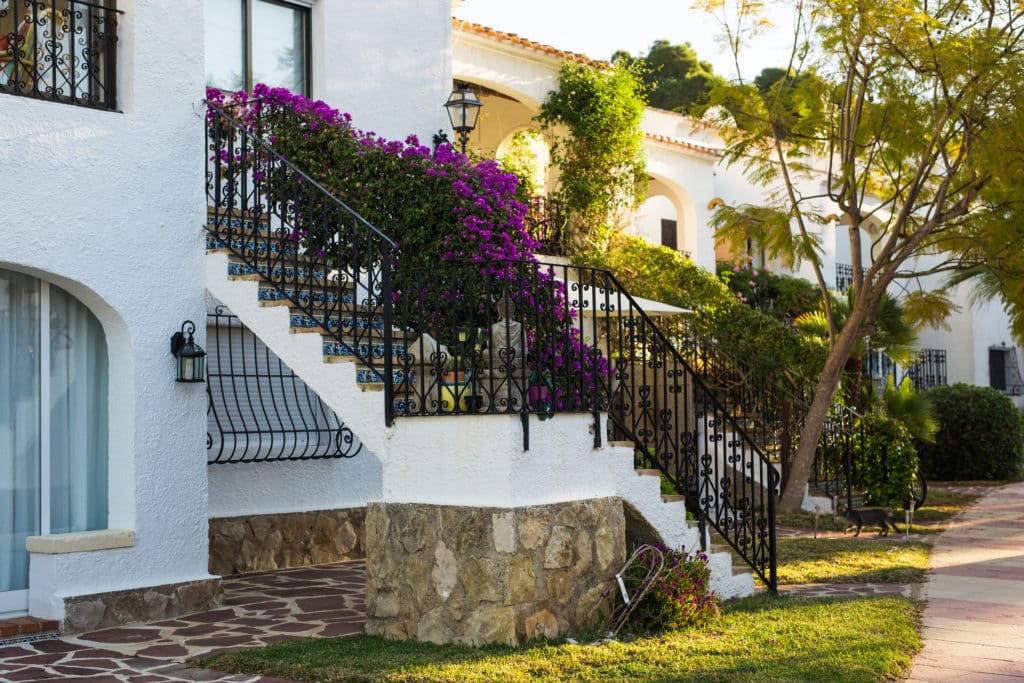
point(59, 50)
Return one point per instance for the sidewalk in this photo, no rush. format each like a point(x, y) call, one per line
point(974, 618)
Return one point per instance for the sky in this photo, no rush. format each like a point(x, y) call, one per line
point(597, 28)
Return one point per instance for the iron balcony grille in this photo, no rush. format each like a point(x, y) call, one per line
point(929, 370)
point(844, 276)
point(259, 410)
point(59, 50)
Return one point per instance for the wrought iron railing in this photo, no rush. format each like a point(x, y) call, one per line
point(259, 410)
point(546, 222)
point(844, 276)
point(59, 50)
point(929, 369)
point(321, 257)
point(519, 337)
point(773, 409)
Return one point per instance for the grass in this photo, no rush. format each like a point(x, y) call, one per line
point(764, 638)
point(851, 560)
point(941, 505)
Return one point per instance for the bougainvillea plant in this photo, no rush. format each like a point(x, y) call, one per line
point(453, 220)
point(681, 596)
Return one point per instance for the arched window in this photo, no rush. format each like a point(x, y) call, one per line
point(53, 422)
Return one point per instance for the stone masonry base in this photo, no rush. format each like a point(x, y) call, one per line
point(88, 612)
point(259, 543)
point(475, 575)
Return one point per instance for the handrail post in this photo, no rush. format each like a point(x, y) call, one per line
point(773, 578)
point(389, 342)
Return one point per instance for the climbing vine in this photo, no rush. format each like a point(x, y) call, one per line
point(593, 120)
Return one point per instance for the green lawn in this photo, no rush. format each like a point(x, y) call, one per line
point(757, 639)
point(941, 505)
point(851, 560)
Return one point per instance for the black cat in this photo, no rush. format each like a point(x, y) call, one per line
point(870, 516)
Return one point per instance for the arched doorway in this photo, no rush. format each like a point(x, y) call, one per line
point(53, 423)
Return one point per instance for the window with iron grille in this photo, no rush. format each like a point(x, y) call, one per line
point(60, 50)
point(259, 410)
point(929, 370)
point(257, 41)
point(1004, 371)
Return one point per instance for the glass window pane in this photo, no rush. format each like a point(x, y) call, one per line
point(279, 45)
point(224, 44)
point(78, 417)
point(19, 425)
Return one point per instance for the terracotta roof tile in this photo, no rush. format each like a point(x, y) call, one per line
point(512, 38)
point(704, 149)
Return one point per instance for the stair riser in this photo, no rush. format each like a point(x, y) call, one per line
point(306, 297)
point(333, 325)
point(337, 350)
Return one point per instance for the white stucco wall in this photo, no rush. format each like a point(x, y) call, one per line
point(386, 63)
point(274, 487)
point(109, 206)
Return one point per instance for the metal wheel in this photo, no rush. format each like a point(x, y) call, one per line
point(918, 490)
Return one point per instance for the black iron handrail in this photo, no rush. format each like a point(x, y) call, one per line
point(323, 259)
point(522, 337)
point(774, 408)
point(60, 50)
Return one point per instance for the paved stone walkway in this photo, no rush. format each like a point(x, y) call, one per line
point(974, 618)
point(259, 609)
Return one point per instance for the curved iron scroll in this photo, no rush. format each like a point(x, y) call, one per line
point(259, 410)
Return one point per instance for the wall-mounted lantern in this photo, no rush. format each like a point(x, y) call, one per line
point(191, 365)
point(463, 107)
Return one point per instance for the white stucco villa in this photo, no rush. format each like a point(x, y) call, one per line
point(125, 494)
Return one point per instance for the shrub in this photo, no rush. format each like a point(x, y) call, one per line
point(979, 435)
point(781, 296)
point(680, 598)
point(885, 460)
point(764, 344)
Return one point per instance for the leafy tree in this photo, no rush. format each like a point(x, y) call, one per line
point(919, 132)
point(674, 77)
point(890, 331)
point(792, 96)
point(597, 146)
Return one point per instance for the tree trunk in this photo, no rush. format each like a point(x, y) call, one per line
point(814, 421)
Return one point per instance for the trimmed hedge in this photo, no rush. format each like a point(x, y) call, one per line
point(979, 435)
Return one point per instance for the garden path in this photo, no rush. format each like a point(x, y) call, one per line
point(974, 618)
point(258, 609)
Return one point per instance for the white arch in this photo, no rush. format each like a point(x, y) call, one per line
point(685, 211)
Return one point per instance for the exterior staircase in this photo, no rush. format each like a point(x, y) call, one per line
point(333, 319)
point(264, 300)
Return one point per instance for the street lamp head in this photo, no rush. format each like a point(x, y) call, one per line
point(463, 107)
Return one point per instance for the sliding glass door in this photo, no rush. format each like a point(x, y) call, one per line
point(53, 423)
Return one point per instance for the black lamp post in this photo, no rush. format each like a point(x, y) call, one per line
point(191, 366)
point(463, 107)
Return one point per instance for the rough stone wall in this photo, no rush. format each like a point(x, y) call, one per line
point(294, 539)
point(489, 575)
point(88, 612)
